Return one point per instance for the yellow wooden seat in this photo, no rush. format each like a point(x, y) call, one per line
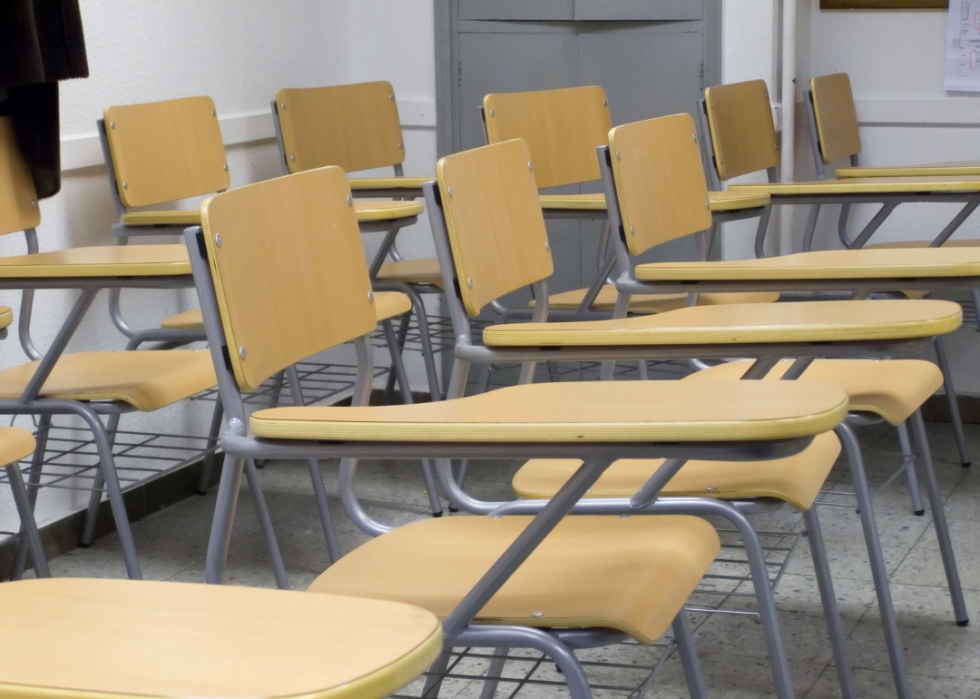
point(421, 270)
point(818, 321)
point(893, 389)
point(886, 261)
point(628, 574)
point(559, 412)
point(388, 304)
point(115, 638)
point(646, 304)
point(15, 444)
point(145, 380)
point(969, 169)
point(6, 316)
point(863, 185)
point(387, 183)
point(796, 481)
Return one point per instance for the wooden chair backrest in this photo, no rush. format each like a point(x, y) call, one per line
point(164, 151)
point(18, 198)
point(660, 181)
point(837, 124)
point(494, 221)
point(289, 272)
point(355, 127)
point(562, 129)
point(742, 132)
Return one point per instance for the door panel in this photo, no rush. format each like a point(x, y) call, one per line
point(554, 10)
point(638, 9)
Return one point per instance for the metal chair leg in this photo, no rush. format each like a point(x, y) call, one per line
point(939, 521)
point(942, 359)
point(878, 570)
point(494, 673)
point(28, 525)
point(400, 337)
point(689, 656)
point(910, 476)
point(224, 519)
point(265, 521)
point(95, 499)
point(323, 508)
point(435, 505)
point(33, 483)
point(835, 630)
point(213, 433)
point(433, 679)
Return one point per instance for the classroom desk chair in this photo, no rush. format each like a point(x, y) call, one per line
point(491, 239)
point(89, 385)
point(356, 127)
point(562, 129)
point(737, 119)
point(492, 581)
point(162, 152)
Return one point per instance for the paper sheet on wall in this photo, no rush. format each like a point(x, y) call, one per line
point(963, 46)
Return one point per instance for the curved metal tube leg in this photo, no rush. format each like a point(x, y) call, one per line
point(216, 417)
point(323, 508)
point(494, 673)
point(878, 570)
point(435, 505)
point(910, 476)
point(942, 359)
point(224, 519)
point(28, 525)
point(689, 656)
point(939, 521)
point(33, 482)
point(433, 680)
point(95, 498)
point(835, 630)
point(265, 521)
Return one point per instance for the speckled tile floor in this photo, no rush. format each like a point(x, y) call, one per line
point(944, 659)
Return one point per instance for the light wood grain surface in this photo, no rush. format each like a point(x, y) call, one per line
point(165, 151)
point(355, 127)
point(100, 261)
point(578, 412)
point(147, 380)
point(18, 200)
point(366, 209)
point(290, 251)
point(495, 223)
point(6, 316)
point(102, 639)
point(653, 303)
point(893, 389)
point(562, 129)
point(742, 131)
point(15, 444)
point(627, 573)
point(866, 263)
point(660, 181)
point(837, 124)
point(817, 321)
point(796, 480)
point(420, 270)
point(389, 182)
point(719, 201)
point(865, 185)
point(967, 169)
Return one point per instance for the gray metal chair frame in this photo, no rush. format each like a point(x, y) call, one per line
point(767, 356)
point(458, 629)
point(889, 202)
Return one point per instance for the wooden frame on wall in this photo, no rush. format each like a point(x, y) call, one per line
point(884, 4)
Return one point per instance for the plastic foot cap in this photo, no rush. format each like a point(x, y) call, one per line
point(437, 514)
point(965, 622)
point(966, 464)
point(919, 513)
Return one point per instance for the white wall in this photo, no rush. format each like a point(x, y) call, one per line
point(151, 51)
